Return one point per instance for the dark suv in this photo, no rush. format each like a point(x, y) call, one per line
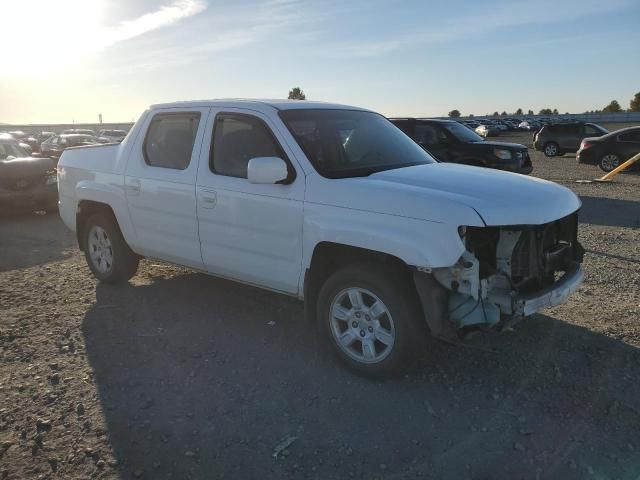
point(450, 141)
point(561, 138)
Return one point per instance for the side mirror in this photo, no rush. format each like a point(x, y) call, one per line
point(267, 170)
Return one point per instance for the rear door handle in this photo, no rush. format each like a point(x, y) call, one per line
point(208, 198)
point(133, 186)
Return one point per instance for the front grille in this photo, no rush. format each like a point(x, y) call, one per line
point(541, 252)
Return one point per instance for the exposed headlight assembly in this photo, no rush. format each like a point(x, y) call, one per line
point(502, 154)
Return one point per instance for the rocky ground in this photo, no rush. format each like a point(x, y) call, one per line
point(178, 375)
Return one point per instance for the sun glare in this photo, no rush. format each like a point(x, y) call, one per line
point(59, 33)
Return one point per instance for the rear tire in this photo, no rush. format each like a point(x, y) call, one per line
point(610, 162)
point(551, 149)
point(370, 317)
point(106, 251)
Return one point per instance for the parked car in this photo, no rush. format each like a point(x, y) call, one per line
point(330, 204)
point(529, 126)
point(55, 145)
point(471, 124)
point(21, 138)
point(111, 136)
point(487, 129)
point(449, 141)
point(26, 183)
point(79, 131)
point(611, 150)
point(561, 138)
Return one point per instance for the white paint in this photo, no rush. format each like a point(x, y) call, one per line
point(264, 233)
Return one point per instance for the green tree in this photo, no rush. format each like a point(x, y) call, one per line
point(519, 111)
point(504, 114)
point(545, 111)
point(613, 107)
point(634, 104)
point(495, 114)
point(454, 113)
point(530, 112)
point(555, 111)
point(296, 93)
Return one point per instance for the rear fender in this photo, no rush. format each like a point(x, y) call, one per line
point(114, 197)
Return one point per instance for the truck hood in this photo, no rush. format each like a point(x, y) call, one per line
point(450, 194)
point(499, 198)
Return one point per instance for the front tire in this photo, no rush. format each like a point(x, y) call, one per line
point(610, 162)
point(551, 149)
point(106, 251)
point(370, 318)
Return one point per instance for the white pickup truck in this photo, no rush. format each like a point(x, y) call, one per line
point(331, 204)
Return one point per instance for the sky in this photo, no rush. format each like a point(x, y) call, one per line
point(69, 60)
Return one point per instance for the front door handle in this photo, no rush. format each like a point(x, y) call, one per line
point(208, 198)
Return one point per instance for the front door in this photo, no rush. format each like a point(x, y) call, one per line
point(160, 185)
point(249, 232)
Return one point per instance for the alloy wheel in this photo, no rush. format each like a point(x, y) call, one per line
point(610, 162)
point(362, 325)
point(100, 249)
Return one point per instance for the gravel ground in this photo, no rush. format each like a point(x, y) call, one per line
point(179, 375)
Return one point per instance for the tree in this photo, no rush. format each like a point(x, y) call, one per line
point(519, 111)
point(454, 113)
point(471, 115)
point(555, 111)
point(296, 93)
point(634, 104)
point(504, 114)
point(530, 112)
point(545, 111)
point(495, 114)
point(613, 107)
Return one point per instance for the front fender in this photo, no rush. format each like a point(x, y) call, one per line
point(418, 243)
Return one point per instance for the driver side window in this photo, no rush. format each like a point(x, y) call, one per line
point(428, 135)
point(237, 138)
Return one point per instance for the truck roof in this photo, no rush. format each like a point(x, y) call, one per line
point(257, 104)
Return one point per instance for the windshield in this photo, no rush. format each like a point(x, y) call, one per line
point(11, 150)
point(464, 134)
point(348, 143)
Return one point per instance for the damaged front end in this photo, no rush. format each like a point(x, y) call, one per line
point(510, 272)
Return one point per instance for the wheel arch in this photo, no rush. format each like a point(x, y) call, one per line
point(328, 256)
point(93, 197)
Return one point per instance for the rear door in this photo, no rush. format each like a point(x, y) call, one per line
point(160, 184)
point(569, 136)
point(249, 232)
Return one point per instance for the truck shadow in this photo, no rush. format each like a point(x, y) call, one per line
point(610, 212)
point(202, 378)
point(31, 239)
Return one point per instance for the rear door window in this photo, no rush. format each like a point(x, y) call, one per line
point(630, 137)
point(170, 139)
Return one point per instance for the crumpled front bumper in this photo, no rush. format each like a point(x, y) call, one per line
point(555, 294)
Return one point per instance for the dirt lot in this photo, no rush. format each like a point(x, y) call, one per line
point(179, 375)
